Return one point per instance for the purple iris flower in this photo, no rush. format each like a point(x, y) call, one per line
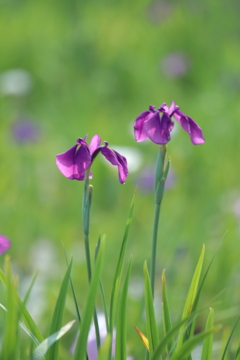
point(156, 125)
point(4, 244)
point(74, 162)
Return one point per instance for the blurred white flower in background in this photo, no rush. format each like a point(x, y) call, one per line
point(15, 82)
point(92, 342)
point(133, 156)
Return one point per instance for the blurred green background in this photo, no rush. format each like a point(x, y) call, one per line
point(71, 68)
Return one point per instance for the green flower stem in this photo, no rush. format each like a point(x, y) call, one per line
point(87, 200)
point(160, 178)
point(154, 245)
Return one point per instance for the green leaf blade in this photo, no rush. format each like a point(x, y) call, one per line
point(186, 348)
point(81, 346)
point(192, 293)
point(121, 332)
point(42, 348)
point(56, 323)
point(167, 324)
point(118, 272)
point(208, 341)
point(28, 320)
point(152, 332)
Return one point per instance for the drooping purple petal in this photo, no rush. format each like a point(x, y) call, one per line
point(158, 129)
point(139, 132)
point(4, 244)
point(95, 143)
point(116, 159)
point(190, 126)
point(122, 168)
point(73, 162)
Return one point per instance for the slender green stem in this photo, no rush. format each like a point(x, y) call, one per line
point(88, 257)
point(160, 178)
point(154, 245)
point(86, 206)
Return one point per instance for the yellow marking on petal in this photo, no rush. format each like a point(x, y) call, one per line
point(78, 147)
point(143, 338)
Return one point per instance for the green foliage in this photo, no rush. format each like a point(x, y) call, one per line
point(16, 302)
point(191, 295)
point(92, 65)
point(118, 272)
point(181, 346)
point(121, 328)
point(42, 348)
point(80, 351)
point(208, 342)
point(152, 331)
point(167, 324)
point(56, 322)
point(10, 345)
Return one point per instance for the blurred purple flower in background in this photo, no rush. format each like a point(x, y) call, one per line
point(74, 162)
point(156, 125)
point(175, 65)
point(24, 130)
point(4, 244)
point(146, 179)
point(159, 11)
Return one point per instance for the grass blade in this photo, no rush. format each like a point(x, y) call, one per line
point(26, 297)
point(152, 332)
point(121, 340)
point(102, 292)
point(10, 339)
point(72, 288)
point(81, 346)
point(105, 348)
point(167, 324)
point(117, 276)
point(190, 344)
point(208, 342)
point(229, 339)
point(190, 329)
point(143, 338)
point(29, 322)
point(25, 329)
point(56, 323)
point(163, 343)
point(188, 307)
point(41, 350)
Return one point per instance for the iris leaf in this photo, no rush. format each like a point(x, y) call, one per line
point(188, 307)
point(208, 341)
point(190, 344)
point(29, 322)
point(81, 346)
point(152, 332)
point(121, 340)
point(117, 276)
point(165, 341)
point(42, 348)
point(56, 323)
point(167, 324)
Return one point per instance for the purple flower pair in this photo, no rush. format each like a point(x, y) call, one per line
point(152, 124)
point(157, 125)
point(74, 162)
